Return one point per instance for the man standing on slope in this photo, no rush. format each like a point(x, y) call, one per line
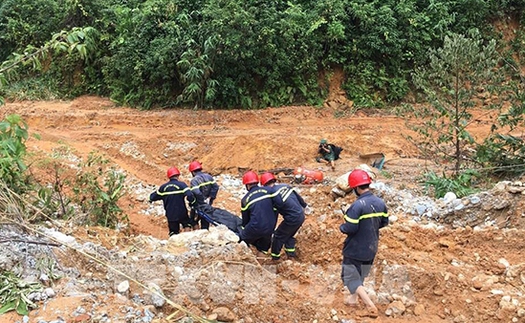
point(258, 216)
point(291, 206)
point(363, 219)
point(172, 195)
point(205, 189)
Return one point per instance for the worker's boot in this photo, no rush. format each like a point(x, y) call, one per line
point(261, 255)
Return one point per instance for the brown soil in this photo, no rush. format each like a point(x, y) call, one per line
point(146, 143)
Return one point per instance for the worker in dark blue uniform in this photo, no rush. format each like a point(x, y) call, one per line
point(363, 219)
point(258, 215)
point(172, 195)
point(291, 206)
point(205, 189)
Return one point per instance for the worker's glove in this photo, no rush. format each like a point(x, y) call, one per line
point(211, 201)
point(308, 210)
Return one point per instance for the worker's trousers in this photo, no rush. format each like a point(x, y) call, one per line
point(284, 236)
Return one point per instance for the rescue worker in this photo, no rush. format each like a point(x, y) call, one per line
point(205, 189)
point(258, 216)
point(326, 153)
point(363, 219)
point(291, 206)
point(172, 195)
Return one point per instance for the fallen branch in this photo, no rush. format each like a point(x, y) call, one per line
point(32, 242)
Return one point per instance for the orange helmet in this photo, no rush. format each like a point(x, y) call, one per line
point(250, 177)
point(358, 177)
point(266, 177)
point(195, 165)
point(173, 171)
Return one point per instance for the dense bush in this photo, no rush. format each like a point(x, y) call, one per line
point(243, 53)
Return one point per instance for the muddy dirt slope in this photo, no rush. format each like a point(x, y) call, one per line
point(465, 265)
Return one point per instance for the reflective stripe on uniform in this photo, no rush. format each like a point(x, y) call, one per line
point(288, 190)
point(287, 195)
point(276, 255)
point(260, 198)
point(289, 249)
point(202, 184)
point(178, 191)
point(365, 216)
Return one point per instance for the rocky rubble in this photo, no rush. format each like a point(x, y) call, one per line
point(212, 275)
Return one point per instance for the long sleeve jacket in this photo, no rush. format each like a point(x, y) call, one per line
point(203, 186)
point(258, 216)
point(363, 220)
point(289, 203)
point(172, 195)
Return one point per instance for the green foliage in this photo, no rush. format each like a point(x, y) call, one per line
point(385, 174)
point(237, 53)
point(146, 75)
point(13, 135)
point(77, 41)
point(196, 69)
point(47, 265)
point(97, 189)
point(14, 291)
point(503, 151)
point(462, 184)
point(450, 84)
point(503, 155)
point(28, 22)
point(52, 198)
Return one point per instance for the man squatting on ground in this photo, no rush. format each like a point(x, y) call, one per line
point(205, 189)
point(291, 206)
point(258, 216)
point(363, 219)
point(172, 195)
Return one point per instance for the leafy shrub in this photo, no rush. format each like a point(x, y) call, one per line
point(13, 135)
point(14, 292)
point(503, 155)
point(97, 189)
point(29, 22)
point(52, 198)
point(461, 184)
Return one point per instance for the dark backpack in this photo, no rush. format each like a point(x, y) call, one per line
point(337, 150)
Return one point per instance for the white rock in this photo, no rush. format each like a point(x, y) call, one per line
point(449, 197)
point(231, 236)
point(49, 292)
point(508, 303)
point(60, 237)
point(504, 262)
point(178, 270)
point(123, 287)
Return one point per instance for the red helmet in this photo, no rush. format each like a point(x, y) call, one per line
point(266, 177)
point(173, 171)
point(195, 165)
point(250, 177)
point(358, 177)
